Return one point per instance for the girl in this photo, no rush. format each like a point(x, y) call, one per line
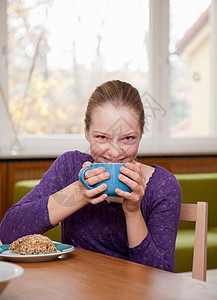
point(143, 227)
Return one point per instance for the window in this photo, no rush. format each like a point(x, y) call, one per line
point(59, 51)
point(190, 76)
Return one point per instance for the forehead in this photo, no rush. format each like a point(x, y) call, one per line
point(110, 119)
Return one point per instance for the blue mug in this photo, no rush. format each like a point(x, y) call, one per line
point(112, 182)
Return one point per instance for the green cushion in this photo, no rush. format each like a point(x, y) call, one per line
point(197, 187)
point(200, 187)
point(184, 250)
point(213, 229)
point(23, 187)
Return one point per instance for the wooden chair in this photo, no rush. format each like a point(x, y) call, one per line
point(198, 213)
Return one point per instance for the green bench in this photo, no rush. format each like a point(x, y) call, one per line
point(195, 187)
point(21, 188)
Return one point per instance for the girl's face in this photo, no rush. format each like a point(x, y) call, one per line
point(114, 134)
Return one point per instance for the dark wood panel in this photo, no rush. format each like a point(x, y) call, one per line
point(194, 165)
point(160, 161)
point(24, 170)
point(184, 165)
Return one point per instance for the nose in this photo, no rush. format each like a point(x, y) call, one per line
point(115, 150)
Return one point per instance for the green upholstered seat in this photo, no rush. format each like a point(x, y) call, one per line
point(197, 187)
point(184, 250)
point(23, 187)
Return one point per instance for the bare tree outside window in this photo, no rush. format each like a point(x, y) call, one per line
point(59, 51)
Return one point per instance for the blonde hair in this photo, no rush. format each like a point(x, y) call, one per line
point(117, 93)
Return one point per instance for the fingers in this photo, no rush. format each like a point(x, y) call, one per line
point(93, 172)
point(97, 177)
point(133, 177)
point(133, 173)
point(93, 192)
point(122, 194)
point(94, 196)
point(129, 182)
point(99, 199)
point(86, 164)
point(94, 176)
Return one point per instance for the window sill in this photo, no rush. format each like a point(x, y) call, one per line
point(53, 146)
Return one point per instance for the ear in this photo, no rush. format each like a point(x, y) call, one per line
point(142, 131)
point(86, 132)
point(143, 128)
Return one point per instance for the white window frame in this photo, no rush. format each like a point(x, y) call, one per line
point(160, 143)
point(4, 120)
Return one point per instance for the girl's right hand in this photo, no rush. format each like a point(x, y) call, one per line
point(92, 177)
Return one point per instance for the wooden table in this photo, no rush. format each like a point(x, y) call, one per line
point(87, 275)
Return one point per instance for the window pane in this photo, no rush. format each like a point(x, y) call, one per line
point(60, 50)
point(190, 69)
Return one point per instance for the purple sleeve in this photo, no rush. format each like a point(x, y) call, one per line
point(158, 247)
point(30, 214)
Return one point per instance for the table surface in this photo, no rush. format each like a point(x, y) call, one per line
point(88, 275)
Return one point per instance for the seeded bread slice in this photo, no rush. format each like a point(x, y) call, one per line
point(33, 244)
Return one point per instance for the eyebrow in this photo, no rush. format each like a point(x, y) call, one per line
point(100, 132)
point(131, 133)
point(124, 134)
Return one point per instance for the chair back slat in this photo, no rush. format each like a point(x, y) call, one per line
point(198, 213)
point(188, 212)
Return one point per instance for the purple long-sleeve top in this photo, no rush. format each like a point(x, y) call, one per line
point(101, 227)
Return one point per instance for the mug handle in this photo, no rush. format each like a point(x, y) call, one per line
point(81, 177)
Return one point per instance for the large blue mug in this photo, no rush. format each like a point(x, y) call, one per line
point(112, 182)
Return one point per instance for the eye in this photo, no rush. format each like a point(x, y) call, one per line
point(129, 138)
point(102, 137)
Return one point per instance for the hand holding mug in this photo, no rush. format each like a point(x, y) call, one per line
point(132, 176)
point(93, 179)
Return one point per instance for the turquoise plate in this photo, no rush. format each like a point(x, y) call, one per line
point(11, 256)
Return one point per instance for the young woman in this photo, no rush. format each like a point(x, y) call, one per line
point(143, 227)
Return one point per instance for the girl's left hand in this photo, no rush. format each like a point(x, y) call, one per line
point(137, 182)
